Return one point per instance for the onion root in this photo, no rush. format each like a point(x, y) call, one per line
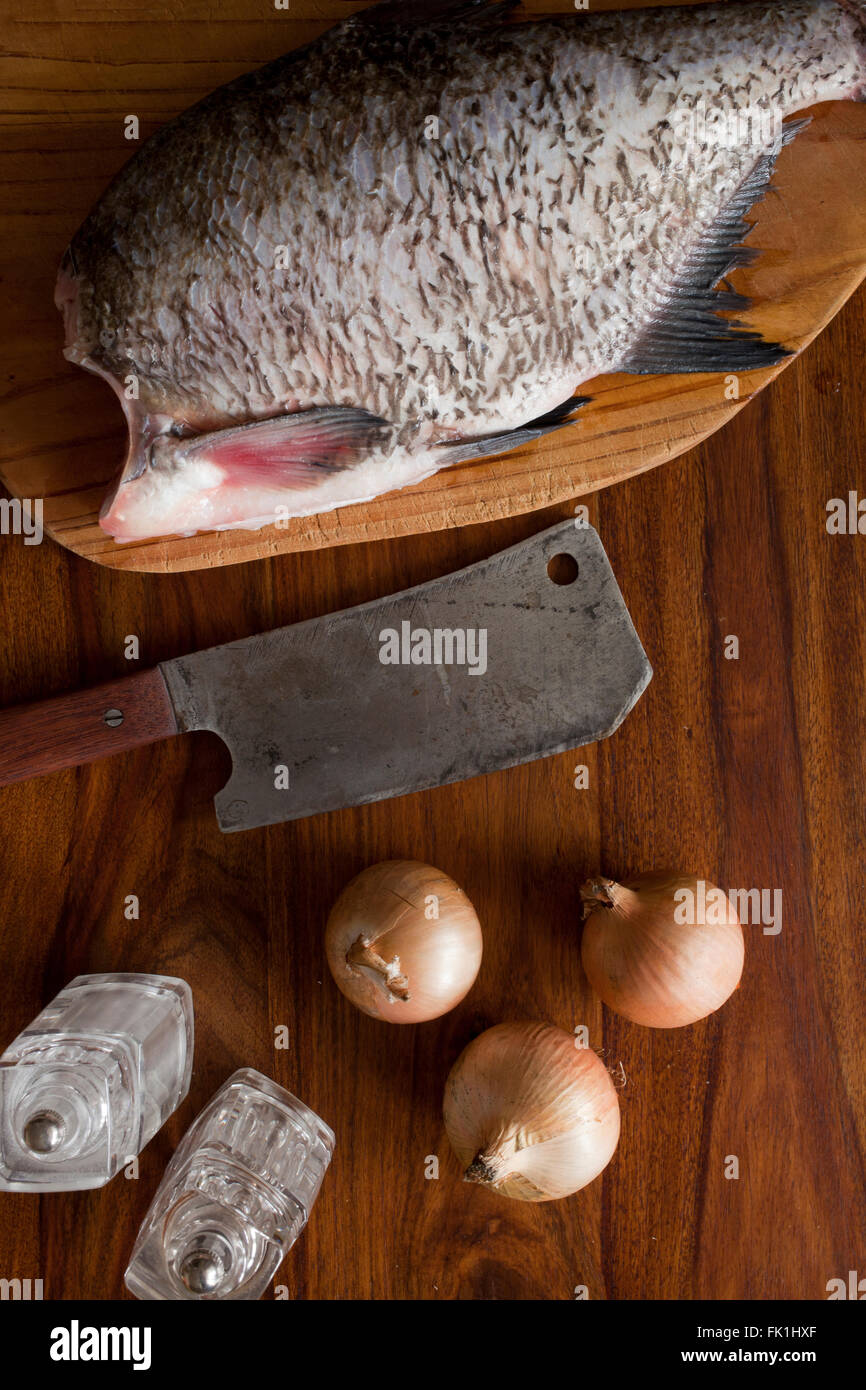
point(481, 1169)
point(361, 953)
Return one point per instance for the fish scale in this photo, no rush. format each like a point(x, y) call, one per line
point(320, 244)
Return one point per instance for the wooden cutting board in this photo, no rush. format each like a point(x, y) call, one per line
point(64, 95)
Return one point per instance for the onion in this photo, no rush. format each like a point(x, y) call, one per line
point(403, 942)
point(647, 965)
point(529, 1113)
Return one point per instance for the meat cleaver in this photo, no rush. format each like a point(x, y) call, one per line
point(523, 655)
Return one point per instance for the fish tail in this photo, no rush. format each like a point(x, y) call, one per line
point(686, 333)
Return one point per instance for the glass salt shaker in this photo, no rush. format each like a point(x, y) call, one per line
point(91, 1080)
point(234, 1198)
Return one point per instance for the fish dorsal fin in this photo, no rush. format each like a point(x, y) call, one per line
point(687, 334)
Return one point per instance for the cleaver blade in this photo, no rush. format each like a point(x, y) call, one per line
point(495, 665)
point(355, 707)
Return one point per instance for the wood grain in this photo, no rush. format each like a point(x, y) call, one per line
point(61, 121)
point(84, 725)
point(749, 771)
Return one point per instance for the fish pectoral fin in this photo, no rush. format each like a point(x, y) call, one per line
point(294, 450)
point(687, 335)
point(486, 445)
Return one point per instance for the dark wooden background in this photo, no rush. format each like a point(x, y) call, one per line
point(750, 772)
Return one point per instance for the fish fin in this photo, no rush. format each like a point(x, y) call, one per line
point(294, 450)
point(486, 445)
point(687, 335)
point(411, 12)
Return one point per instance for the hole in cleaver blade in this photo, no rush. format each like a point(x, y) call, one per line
point(495, 665)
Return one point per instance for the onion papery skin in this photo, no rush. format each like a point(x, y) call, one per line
point(439, 958)
point(529, 1114)
point(646, 966)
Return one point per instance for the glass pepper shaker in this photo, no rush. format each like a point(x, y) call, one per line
point(90, 1081)
point(234, 1198)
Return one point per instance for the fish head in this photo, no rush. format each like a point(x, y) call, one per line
point(152, 432)
point(83, 322)
point(158, 489)
point(67, 298)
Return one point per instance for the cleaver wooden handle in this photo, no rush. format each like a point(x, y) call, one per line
point(68, 730)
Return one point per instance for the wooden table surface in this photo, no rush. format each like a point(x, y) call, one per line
point(749, 771)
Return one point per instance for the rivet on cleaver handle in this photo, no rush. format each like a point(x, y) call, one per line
point(562, 666)
point(480, 670)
